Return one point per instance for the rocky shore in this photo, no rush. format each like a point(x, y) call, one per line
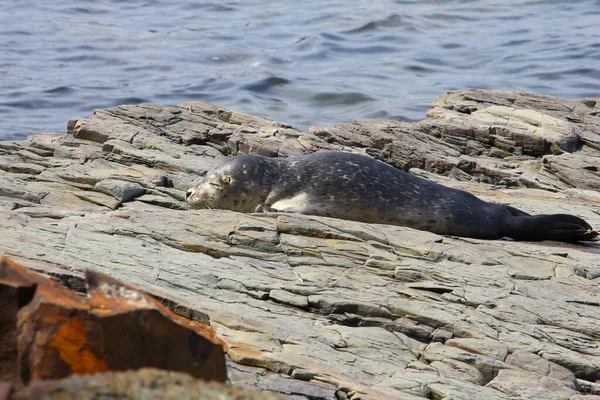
point(317, 308)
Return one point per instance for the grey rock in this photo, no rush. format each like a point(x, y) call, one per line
point(534, 363)
point(532, 386)
point(487, 347)
point(121, 190)
point(285, 297)
point(487, 366)
point(15, 165)
point(579, 171)
point(13, 187)
point(459, 370)
point(591, 388)
point(334, 304)
point(162, 201)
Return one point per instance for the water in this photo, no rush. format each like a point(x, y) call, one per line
point(304, 63)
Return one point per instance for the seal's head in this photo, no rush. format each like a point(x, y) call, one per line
point(240, 184)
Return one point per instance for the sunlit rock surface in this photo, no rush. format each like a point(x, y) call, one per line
point(313, 307)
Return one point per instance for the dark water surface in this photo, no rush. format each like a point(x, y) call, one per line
point(305, 63)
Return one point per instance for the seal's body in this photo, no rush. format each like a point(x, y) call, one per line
point(359, 188)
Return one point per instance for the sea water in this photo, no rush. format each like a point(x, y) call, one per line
point(303, 63)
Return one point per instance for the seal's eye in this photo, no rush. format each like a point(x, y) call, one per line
point(214, 181)
point(228, 179)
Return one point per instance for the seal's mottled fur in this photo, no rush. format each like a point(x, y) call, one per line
point(359, 188)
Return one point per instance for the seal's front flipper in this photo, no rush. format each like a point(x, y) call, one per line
point(298, 204)
point(264, 209)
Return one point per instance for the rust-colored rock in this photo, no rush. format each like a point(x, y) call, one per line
point(139, 332)
point(57, 336)
point(50, 332)
point(5, 389)
point(16, 289)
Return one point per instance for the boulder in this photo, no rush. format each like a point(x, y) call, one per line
point(51, 332)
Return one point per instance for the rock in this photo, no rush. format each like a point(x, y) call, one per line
point(534, 363)
point(584, 397)
point(582, 171)
point(15, 291)
point(15, 188)
point(487, 366)
point(459, 370)
point(588, 387)
point(121, 190)
point(5, 390)
point(487, 347)
point(163, 201)
point(532, 386)
point(146, 383)
point(316, 307)
point(51, 332)
point(282, 296)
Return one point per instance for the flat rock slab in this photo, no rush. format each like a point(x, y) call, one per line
point(322, 308)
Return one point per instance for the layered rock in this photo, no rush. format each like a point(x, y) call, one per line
point(321, 308)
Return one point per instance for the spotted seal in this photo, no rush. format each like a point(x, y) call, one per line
point(359, 188)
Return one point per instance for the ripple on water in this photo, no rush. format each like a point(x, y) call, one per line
point(348, 98)
point(264, 85)
point(30, 104)
point(148, 68)
point(302, 63)
point(59, 90)
point(373, 49)
point(391, 21)
point(129, 100)
point(208, 7)
point(420, 69)
point(90, 10)
point(512, 43)
point(89, 60)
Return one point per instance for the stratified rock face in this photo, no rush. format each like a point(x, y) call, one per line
point(314, 307)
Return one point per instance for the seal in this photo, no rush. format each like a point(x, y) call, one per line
point(359, 188)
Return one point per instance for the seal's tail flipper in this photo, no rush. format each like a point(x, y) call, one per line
point(561, 227)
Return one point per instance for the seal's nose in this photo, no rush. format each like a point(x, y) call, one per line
point(188, 193)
